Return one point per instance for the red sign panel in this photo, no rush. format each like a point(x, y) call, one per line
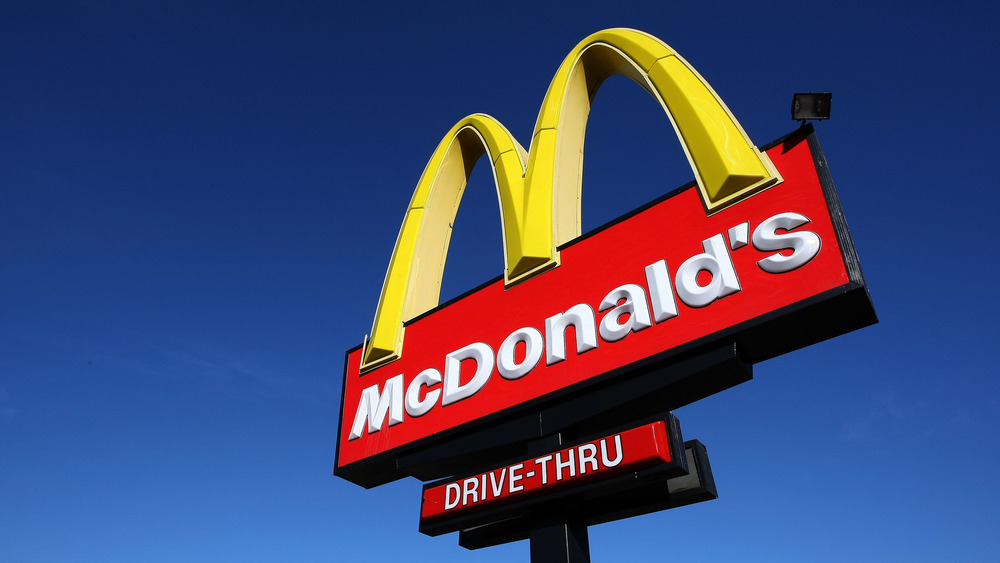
point(632, 450)
point(664, 277)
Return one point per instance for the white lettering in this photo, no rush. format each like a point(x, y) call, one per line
point(628, 308)
point(604, 451)
point(717, 262)
point(590, 457)
point(804, 245)
point(373, 407)
point(426, 378)
point(568, 464)
point(470, 488)
point(496, 487)
point(507, 365)
point(739, 235)
point(448, 502)
point(661, 295)
point(541, 462)
point(454, 391)
point(512, 485)
point(581, 318)
point(634, 307)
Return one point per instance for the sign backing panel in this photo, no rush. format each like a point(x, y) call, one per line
point(756, 273)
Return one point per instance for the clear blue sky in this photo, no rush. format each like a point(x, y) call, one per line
point(198, 202)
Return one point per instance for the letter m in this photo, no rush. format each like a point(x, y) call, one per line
point(373, 407)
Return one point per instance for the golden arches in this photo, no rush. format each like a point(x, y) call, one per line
point(539, 192)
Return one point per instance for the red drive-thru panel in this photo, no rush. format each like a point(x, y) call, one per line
point(623, 452)
point(662, 279)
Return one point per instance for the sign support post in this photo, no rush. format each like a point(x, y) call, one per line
point(553, 535)
point(558, 539)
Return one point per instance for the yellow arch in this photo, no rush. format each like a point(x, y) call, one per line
point(539, 192)
point(413, 280)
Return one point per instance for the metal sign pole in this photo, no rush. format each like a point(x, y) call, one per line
point(559, 540)
point(554, 536)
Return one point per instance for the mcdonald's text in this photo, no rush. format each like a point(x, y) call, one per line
point(700, 280)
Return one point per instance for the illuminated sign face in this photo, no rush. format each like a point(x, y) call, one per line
point(739, 256)
point(652, 445)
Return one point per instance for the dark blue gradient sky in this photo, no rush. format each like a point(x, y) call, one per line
point(198, 202)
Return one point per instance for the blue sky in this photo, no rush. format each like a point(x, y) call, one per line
point(198, 202)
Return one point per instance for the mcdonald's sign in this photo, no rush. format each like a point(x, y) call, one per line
point(673, 301)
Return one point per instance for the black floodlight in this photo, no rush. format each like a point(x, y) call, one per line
point(813, 105)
